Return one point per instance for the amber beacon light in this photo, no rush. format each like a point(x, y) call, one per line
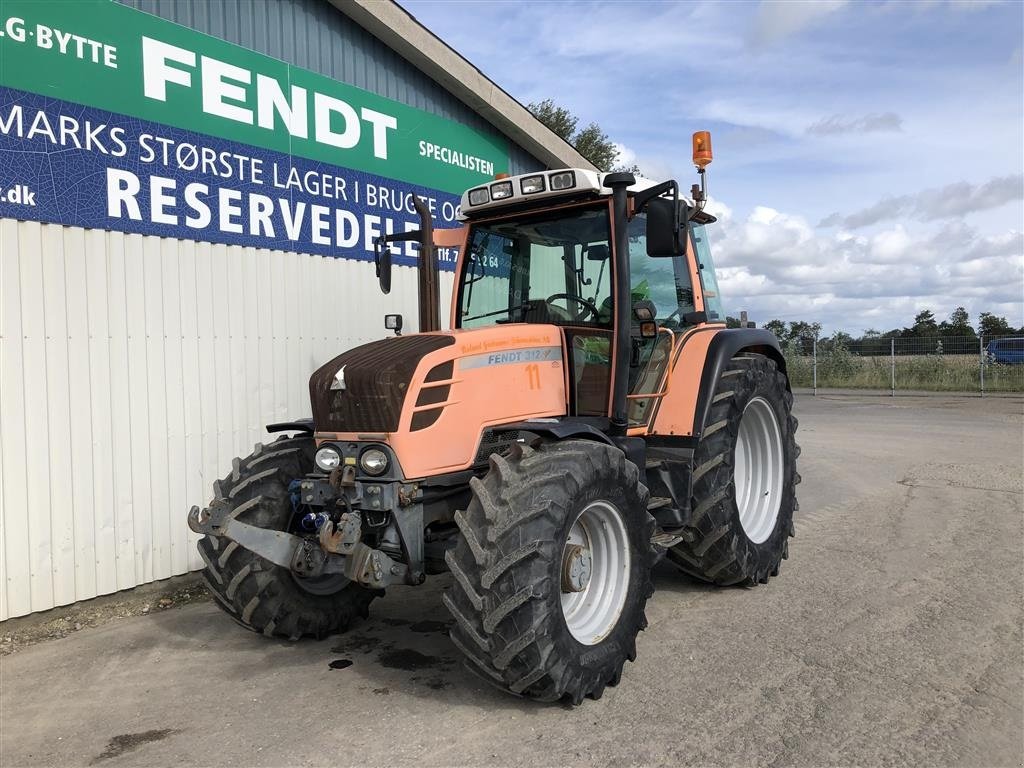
point(702, 149)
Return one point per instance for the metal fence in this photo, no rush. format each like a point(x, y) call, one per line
point(969, 364)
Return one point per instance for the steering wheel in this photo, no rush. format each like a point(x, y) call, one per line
point(589, 306)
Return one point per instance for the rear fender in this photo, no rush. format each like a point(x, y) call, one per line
point(726, 345)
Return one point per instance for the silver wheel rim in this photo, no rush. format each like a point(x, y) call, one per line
point(758, 470)
point(595, 572)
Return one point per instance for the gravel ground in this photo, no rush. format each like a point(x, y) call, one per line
point(893, 636)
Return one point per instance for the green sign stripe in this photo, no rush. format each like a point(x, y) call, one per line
point(106, 55)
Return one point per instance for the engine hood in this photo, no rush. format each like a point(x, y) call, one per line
point(362, 390)
point(434, 397)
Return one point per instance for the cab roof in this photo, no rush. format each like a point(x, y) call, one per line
point(526, 189)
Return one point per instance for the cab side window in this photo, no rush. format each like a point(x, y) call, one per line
point(665, 281)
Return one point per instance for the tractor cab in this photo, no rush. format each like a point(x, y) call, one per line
point(536, 259)
point(620, 266)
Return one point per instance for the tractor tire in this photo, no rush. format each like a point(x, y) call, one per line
point(257, 594)
point(744, 479)
point(522, 620)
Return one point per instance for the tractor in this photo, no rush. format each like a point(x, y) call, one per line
point(587, 413)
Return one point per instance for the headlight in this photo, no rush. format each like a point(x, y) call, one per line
point(563, 180)
point(531, 184)
point(374, 461)
point(501, 191)
point(328, 458)
point(479, 196)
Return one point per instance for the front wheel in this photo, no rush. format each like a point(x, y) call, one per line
point(744, 479)
point(259, 595)
point(552, 570)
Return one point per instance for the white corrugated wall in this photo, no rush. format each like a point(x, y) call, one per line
point(132, 369)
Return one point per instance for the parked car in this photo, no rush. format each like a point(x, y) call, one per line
point(1007, 351)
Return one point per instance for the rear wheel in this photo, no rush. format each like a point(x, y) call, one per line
point(552, 570)
point(259, 595)
point(744, 479)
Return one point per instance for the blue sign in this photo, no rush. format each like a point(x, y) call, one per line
point(69, 164)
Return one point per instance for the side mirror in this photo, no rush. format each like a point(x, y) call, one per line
point(382, 262)
point(664, 227)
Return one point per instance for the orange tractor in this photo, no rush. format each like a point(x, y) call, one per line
point(587, 413)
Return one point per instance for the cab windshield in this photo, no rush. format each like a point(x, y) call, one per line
point(553, 268)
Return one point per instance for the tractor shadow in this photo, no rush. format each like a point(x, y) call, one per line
point(403, 649)
point(666, 577)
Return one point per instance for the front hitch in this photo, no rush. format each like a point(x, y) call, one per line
point(338, 551)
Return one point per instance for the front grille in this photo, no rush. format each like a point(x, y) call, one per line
point(377, 378)
point(495, 442)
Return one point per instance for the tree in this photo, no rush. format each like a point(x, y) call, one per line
point(841, 340)
point(991, 325)
point(558, 119)
point(778, 327)
point(798, 329)
point(958, 326)
point(959, 318)
point(591, 141)
point(924, 324)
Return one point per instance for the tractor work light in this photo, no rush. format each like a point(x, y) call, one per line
point(563, 180)
point(393, 323)
point(479, 196)
point(328, 458)
point(374, 461)
point(501, 191)
point(531, 184)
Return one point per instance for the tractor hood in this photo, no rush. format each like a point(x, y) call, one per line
point(362, 390)
point(432, 396)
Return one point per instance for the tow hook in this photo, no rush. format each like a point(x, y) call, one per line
point(343, 540)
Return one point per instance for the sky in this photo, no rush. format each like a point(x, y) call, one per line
point(868, 155)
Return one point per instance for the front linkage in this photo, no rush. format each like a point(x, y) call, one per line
point(338, 547)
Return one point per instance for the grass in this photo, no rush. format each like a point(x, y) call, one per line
point(842, 369)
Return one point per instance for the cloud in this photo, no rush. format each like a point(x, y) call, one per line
point(774, 264)
point(952, 200)
point(651, 166)
point(838, 124)
point(775, 20)
point(974, 5)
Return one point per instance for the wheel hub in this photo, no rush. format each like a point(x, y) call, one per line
point(576, 568)
point(759, 469)
point(595, 572)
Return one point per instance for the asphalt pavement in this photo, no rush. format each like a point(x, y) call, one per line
point(893, 636)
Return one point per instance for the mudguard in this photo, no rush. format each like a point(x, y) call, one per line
point(724, 346)
point(299, 425)
point(562, 428)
